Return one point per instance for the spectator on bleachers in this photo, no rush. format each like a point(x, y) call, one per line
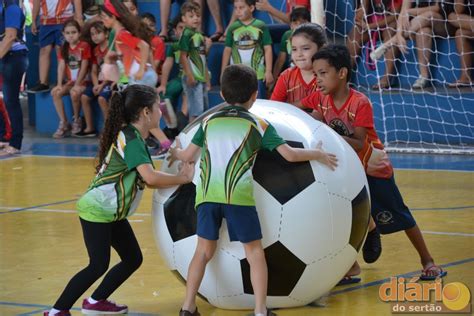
point(171, 88)
point(158, 47)
point(283, 17)
point(14, 60)
point(52, 15)
point(298, 82)
point(193, 59)
point(101, 89)
point(73, 66)
point(373, 19)
point(420, 21)
point(462, 19)
point(214, 9)
point(297, 17)
point(249, 42)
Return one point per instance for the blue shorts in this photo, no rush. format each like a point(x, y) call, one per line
point(198, 100)
point(242, 221)
point(88, 91)
point(388, 209)
point(51, 35)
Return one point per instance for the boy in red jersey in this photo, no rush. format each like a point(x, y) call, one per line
point(349, 113)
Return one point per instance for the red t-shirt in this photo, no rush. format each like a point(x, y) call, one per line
point(291, 4)
point(158, 48)
point(291, 87)
point(127, 45)
point(98, 59)
point(81, 52)
point(356, 112)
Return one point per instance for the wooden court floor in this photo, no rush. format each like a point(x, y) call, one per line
point(41, 245)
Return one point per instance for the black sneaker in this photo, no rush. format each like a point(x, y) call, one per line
point(152, 142)
point(83, 134)
point(40, 87)
point(372, 247)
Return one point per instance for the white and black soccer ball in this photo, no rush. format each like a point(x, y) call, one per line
point(314, 220)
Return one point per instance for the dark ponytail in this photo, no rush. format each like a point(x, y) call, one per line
point(125, 108)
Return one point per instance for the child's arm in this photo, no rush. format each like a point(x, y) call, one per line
point(225, 58)
point(183, 60)
point(300, 154)
point(187, 154)
point(82, 72)
point(279, 64)
point(165, 73)
point(268, 64)
point(357, 140)
point(159, 179)
point(35, 13)
point(264, 5)
point(61, 68)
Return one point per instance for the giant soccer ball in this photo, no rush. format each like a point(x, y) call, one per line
point(313, 220)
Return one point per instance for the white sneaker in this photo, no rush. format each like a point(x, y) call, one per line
point(421, 83)
point(377, 53)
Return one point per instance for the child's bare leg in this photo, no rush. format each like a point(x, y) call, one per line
point(58, 102)
point(354, 270)
point(44, 63)
point(103, 106)
point(416, 238)
point(204, 251)
point(372, 225)
point(76, 102)
point(86, 108)
point(258, 274)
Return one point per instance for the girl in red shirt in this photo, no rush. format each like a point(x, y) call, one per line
point(298, 82)
point(72, 77)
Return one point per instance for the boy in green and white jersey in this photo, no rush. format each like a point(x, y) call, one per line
point(248, 42)
point(229, 141)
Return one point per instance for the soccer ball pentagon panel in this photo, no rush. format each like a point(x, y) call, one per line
point(313, 220)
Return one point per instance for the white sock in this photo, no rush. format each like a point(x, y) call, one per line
point(259, 314)
point(91, 300)
point(53, 311)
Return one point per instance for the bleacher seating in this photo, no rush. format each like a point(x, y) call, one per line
point(339, 21)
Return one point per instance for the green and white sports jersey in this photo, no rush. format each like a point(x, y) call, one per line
point(285, 45)
point(230, 140)
point(193, 43)
point(117, 189)
point(174, 52)
point(247, 43)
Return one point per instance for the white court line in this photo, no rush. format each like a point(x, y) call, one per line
point(50, 210)
point(447, 233)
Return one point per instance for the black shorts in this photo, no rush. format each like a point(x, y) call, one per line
point(388, 209)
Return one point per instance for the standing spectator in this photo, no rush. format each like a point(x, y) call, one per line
point(463, 20)
point(192, 46)
point(13, 56)
point(248, 42)
point(52, 16)
point(214, 8)
point(421, 21)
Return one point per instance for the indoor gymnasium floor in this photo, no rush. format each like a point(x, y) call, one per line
point(41, 244)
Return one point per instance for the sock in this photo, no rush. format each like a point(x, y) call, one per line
point(91, 300)
point(53, 311)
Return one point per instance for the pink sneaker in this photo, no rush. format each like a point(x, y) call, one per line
point(60, 313)
point(103, 307)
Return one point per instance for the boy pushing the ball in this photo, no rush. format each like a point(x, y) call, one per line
point(350, 114)
point(230, 140)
